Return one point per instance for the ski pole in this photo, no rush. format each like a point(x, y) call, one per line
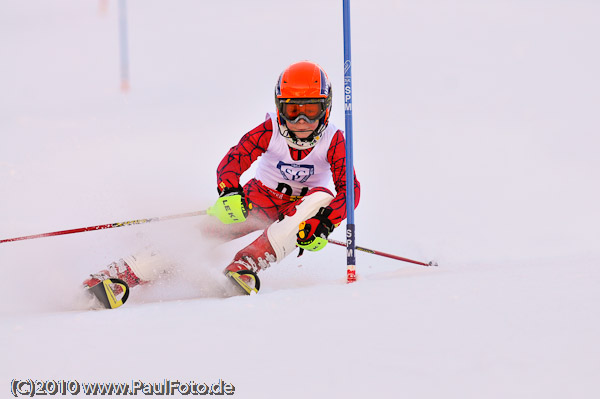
point(372, 251)
point(106, 226)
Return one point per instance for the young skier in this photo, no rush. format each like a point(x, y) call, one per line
point(298, 153)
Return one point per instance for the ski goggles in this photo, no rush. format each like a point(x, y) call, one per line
point(309, 111)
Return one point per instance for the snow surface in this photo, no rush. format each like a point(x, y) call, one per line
point(476, 143)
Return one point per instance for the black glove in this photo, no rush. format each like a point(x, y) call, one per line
point(227, 191)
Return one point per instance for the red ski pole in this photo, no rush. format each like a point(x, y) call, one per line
point(372, 251)
point(105, 226)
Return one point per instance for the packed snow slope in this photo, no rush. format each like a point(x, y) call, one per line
point(476, 143)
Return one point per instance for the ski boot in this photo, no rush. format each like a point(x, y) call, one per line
point(242, 272)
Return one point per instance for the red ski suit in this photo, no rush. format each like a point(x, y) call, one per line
point(269, 205)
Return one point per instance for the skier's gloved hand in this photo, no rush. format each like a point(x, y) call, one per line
point(231, 207)
point(312, 233)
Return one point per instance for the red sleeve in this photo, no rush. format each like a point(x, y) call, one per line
point(336, 155)
point(240, 157)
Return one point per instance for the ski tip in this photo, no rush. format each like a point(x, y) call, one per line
point(246, 281)
point(112, 293)
point(433, 263)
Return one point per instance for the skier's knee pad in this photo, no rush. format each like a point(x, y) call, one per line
point(147, 265)
point(282, 234)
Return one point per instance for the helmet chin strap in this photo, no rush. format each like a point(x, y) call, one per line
point(297, 143)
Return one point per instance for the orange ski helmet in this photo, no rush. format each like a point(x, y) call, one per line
point(303, 91)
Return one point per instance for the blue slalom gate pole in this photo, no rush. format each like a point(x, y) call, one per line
point(123, 45)
point(350, 226)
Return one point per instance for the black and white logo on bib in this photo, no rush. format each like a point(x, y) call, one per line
point(295, 172)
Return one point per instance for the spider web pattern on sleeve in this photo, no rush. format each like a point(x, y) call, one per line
point(241, 156)
point(336, 155)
